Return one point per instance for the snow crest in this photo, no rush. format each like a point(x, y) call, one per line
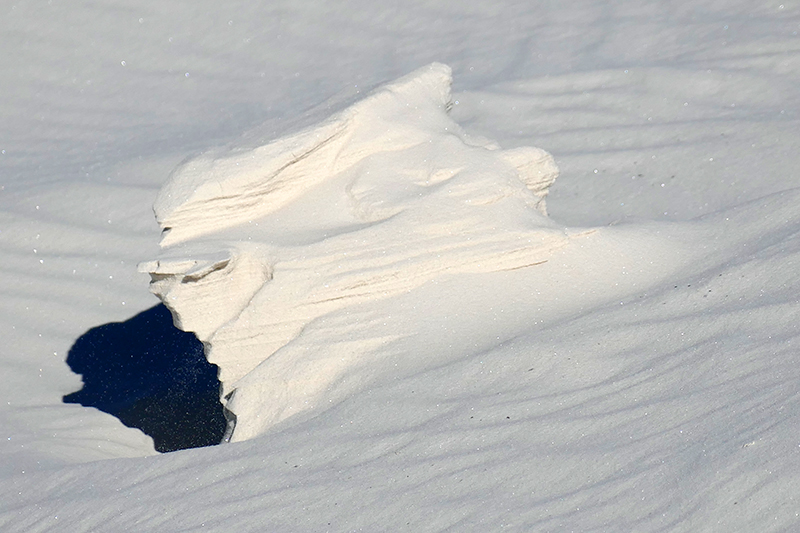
point(264, 247)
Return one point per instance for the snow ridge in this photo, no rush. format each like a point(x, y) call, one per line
point(374, 202)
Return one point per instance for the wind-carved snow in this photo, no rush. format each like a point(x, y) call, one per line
point(262, 246)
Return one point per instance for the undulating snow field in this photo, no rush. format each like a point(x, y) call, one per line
point(642, 375)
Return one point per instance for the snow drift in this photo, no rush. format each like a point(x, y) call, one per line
point(259, 243)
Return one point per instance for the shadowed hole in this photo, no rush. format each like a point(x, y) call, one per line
point(153, 377)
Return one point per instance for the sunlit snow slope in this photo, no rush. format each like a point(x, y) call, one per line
point(264, 245)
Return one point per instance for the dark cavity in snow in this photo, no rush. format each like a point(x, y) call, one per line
point(152, 376)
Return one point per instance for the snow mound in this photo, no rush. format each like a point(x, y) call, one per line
point(261, 245)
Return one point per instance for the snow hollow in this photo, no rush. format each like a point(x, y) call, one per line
point(153, 377)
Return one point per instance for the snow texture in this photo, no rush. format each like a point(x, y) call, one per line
point(645, 376)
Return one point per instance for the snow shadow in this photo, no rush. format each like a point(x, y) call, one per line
point(153, 377)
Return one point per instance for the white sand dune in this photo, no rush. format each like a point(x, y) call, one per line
point(441, 355)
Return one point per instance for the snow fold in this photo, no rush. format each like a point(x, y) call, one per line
point(264, 247)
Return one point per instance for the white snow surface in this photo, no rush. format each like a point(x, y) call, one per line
point(640, 372)
point(382, 199)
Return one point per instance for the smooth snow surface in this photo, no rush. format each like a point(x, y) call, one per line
point(641, 374)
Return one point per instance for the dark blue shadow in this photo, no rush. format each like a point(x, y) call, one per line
point(152, 376)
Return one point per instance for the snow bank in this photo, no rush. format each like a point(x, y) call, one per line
point(374, 202)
